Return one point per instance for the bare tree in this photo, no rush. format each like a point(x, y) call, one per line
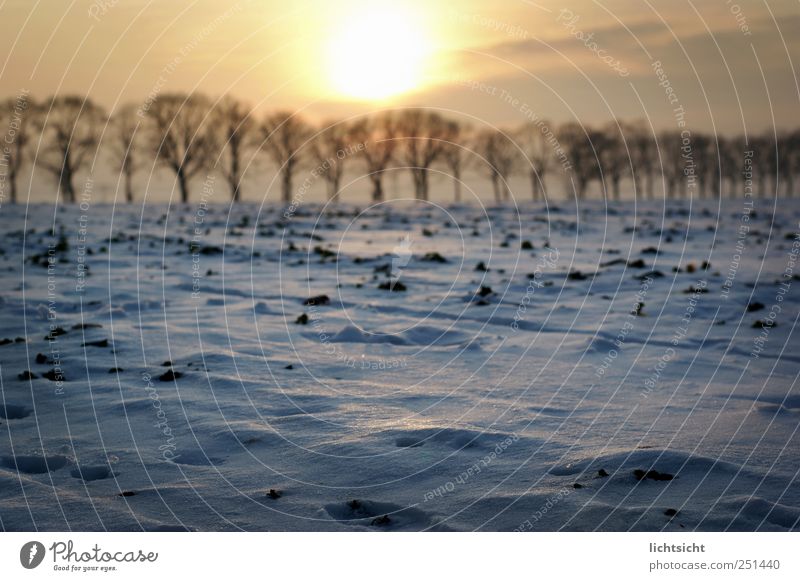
point(794, 157)
point(578, 142)
point(237, 127)
point(702, 155)
point(124, 126)
point(689, 159)
point(787, 160)
point(670, 145)
point(426, 135)
point(643, 156)
point(538, 153)
point(379, 135)
point(728, 157)
point(500, 159)
point(180, 136)
point(15, 114)
point(613, 154)
point(763, 147)
point(71, 127)
point(774, 155)
point(285, 134)
point(330, 148)
point(453, 154)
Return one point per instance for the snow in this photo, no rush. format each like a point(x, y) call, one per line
point(476, 399)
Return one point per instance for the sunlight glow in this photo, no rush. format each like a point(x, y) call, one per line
point(378, 53)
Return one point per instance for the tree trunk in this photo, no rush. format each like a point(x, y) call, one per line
point(13, 186)
point(534, 186)
point(422, 184)
point(183, 184)
point(582, 184)
point(637, 185)
point(128, 187)
point(236, 179)
point(329, 190)
point(496, 188)
point(286, 195)
point(457, 186)
point(67, 189)
point(377, 187)
point(615, 187)
point(333, 188)
point(415, 179)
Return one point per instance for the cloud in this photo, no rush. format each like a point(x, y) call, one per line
point(716, 74)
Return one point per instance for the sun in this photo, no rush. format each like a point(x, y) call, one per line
point(378, 53)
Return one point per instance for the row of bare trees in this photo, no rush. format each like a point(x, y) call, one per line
point(193, 134)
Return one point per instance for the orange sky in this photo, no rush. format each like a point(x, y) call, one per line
point(494, 60)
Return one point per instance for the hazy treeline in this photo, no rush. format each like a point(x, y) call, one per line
point(190, 135)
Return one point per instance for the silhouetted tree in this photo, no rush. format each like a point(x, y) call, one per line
point(426, 135)
point(578, 143)
point(670, 145)
point(331, 147)
point(794, 158)
point(453, 154)
point(613, 154)
point(379, 134)
point(788, 160)
point(236, 126)
point(124, 126)
point(539, 155)
point(180, 136)
point(763, 147)
point(15, 114)
point(643, 156)
point(71, 127)
point(285, 134)
point(774, 156)
point(185, 133)
point(702, 153)
point(500, 157)
point(729, 163)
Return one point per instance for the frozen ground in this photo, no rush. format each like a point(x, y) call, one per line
point(473, 399)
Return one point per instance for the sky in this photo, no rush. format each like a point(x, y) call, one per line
point(729, 64)
point(709, 65)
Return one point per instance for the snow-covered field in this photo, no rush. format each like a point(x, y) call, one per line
point(532, 394)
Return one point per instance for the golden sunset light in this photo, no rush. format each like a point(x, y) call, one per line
point(383, 266)
point(378, 52)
